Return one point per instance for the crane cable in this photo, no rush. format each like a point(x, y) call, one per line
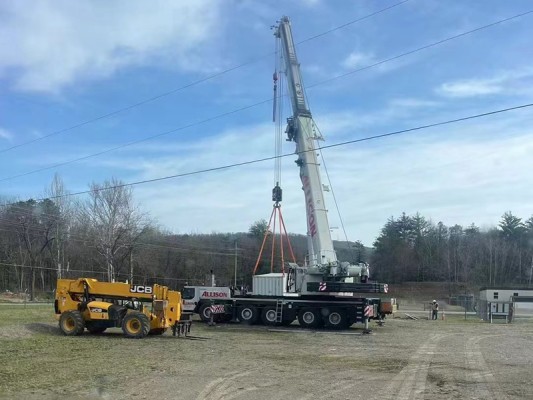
point(278, 111)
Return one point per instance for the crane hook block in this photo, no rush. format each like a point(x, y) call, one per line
point(276, 194)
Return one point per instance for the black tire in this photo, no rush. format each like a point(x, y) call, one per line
point(135, 325)
point(95, 328)
point(248, 315)
point(337, 319)
point(269, 316)
point(205, 312)
point(71, 323)
point(309, 318)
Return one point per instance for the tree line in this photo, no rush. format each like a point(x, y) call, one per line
point(108, 237)
point(412, 248)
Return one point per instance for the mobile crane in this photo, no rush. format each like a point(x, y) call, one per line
point(139, 310)
point(324, 291)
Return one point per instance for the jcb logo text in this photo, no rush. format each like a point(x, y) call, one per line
point(141, 289)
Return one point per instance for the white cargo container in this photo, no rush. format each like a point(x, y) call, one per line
point(272, 284)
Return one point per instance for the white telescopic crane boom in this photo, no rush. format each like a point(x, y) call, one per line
point(301, 129)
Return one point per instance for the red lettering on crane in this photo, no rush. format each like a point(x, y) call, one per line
point(214, 294)
point(310, 208)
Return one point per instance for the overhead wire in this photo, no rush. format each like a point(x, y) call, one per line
point(78, 238)
point(191, 84)
point(81, 239)
point(21, 211)
point(215, 117)
point(259, 160)
point(425, 47)
point(147, 277)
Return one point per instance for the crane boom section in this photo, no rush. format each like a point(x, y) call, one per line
point(322, 252)
point(292, 69)
point(301, 129)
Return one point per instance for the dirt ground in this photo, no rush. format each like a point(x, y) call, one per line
point(405, 359)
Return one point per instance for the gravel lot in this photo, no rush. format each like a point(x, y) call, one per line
point(451, 359)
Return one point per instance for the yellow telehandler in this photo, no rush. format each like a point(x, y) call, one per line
point(139, 310)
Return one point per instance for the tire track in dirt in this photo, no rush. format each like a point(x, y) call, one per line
point(480, 373)
point(330, 393)
point(224, 387)
point(410, 382)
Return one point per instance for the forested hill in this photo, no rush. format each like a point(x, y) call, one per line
point(411, 248)
point(108, 237)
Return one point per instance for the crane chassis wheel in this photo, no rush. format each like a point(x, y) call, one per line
point(248, 314)
point(205, 312)
point(309, 318)
point(337, 319)
point(269, 315)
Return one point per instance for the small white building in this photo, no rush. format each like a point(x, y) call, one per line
point(498, 301)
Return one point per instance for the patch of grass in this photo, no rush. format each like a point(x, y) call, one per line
point(19, 314)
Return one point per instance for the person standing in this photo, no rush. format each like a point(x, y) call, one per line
point(434, 310)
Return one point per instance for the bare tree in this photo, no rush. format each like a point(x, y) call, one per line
point(112, 222)
point(63, 220)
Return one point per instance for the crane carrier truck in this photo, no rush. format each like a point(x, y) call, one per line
point(324, 291)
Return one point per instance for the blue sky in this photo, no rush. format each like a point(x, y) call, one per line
point(63, 62)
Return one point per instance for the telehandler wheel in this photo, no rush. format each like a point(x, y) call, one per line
point(71, 323)
point(337, 319)
point(135, 325)
point(309, 318)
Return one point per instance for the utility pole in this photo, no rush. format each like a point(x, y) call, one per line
point(58, 242)
point(530, 272)
point(235, 278)
point(131, 265)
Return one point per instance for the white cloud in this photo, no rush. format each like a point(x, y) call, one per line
point(53, 44)
point(410, 102)
point(310, 3)
point(457, 174)
point(470, 88)
point(358, 59)
point(4, 134)
point(508, 82)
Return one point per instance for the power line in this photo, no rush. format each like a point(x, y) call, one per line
point(80, 239)
point(425, 47)
point(209, 119)
point(215, 117)
point(95, 272)
point(259, 160)
point(191, 84)
point(20, 211)
point(352, 22)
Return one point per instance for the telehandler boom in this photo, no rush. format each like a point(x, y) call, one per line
point(86, 303)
